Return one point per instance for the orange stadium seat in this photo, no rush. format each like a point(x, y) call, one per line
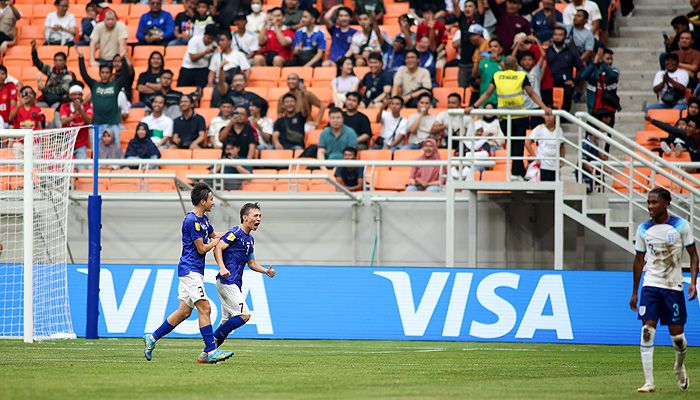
point(275, 93)
point(558, 97)
point(391, 180)
point(450, 77)
point(269, 75)
point(206, 154)
point(669, 116)
point(650, 139)
point(323, 76)
point(312, 137)
point(360, 72)
point(26, 9)
point(207, 113)
point(304, 73)
point(325, 94)
point(640, 180)
point(173, 9)
point(275, 154)
point(684, 157)
point(141, 54)
point(494, 175)
point(180, 154)
point(261, 91)
point(30, 32)
point(175, 53)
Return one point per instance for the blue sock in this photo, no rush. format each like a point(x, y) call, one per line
point(162, 330)
point(208, 337)
point(227, 327)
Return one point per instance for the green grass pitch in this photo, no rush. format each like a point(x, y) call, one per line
point(311, 369)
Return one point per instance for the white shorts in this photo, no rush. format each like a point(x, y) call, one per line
point(232, 301)
point(191, 289)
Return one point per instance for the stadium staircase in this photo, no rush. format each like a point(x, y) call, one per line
point(637, 47)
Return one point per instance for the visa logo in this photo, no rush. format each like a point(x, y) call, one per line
point(415, 319)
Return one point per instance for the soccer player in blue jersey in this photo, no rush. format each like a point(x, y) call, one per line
point(660, 242)
point(233, 253)
point(198, 237)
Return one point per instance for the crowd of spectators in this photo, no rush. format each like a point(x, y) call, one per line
point(556, 49)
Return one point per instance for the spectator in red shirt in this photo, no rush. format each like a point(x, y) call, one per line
point(275, 40)
point(434, 30)
point(27, 115)
point(509, 21)
point(8, 97)
point(77, 113)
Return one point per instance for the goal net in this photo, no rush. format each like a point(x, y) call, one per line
point(35, 169)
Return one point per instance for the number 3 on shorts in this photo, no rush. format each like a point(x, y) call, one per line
point(201, 291)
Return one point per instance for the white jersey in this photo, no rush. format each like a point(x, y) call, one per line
point(663, 245)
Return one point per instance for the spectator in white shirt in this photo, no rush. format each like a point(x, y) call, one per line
point(60, 25)
point(233, 60)
point(256, 20)
point(160, 125)
point(445, 120)
point(393, 124)
point(261, 123)
point(195, 64)
point(346, 82)
point(244, 40)
point(593, 23)
point(421, 125)
point(219, 122)
point(670, 85)
point(547, 149)
point(489, 126)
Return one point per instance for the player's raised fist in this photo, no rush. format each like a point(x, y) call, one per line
point(225, 273)
point(271, 272)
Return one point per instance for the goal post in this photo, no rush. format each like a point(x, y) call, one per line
point(35, 176)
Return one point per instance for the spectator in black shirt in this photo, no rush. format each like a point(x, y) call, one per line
point(184, 23)
point(561, 60)
point(172, 97)
point(377, 83)
point(357, 120)
point(350, 177)
point(236, 92)
point(189, 129)
point(149, 81)
point(288, 131)
point(466, 18)
point(241, 134)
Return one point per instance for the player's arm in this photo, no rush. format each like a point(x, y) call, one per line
point(255, 266)
point(216, 235)
point(219, 257)
point(692, 288)
point(204, 248)
point(637, 274)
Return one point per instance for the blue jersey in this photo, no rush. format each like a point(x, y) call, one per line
point(193, 228)
point(310, 43)
point(340, 42)
point(236, 255)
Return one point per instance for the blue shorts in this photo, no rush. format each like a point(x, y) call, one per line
point(664, 305)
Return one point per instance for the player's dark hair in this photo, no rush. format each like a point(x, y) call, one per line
point(661, 192)
point(430, 98)
point(226, 34)
point(558, 28)
point(335, 110)
point(314, 13)
point(608, 51)
point(288, 95)
point(680, 20)
point(526, 53)
point(351, 149)
point(200, 191)
point(455, 95)
point(61, 54)
point(280, 9)
point(399, 98)
point(356, 95)
point(672, 56)
point(247, 207)
point(3, 68)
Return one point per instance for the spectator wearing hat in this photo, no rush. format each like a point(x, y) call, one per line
point(427, 178)
point(545, 20)
point(108, 38)
point(156, 27)
point(244, 40)
point(508, 20)
point(338, 23)
point(309, 44)
point(77, 113)
point(195, 64)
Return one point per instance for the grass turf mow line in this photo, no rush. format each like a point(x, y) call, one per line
point(310, 369)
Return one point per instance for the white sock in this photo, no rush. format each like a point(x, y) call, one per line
point(154, 340)
point(680, 346)
point(647, 351)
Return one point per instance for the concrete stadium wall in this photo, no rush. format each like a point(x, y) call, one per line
point(514, 232)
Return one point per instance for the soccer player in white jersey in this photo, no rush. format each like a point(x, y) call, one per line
point(235, 251)
point(198, 238)
point(659, 244)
